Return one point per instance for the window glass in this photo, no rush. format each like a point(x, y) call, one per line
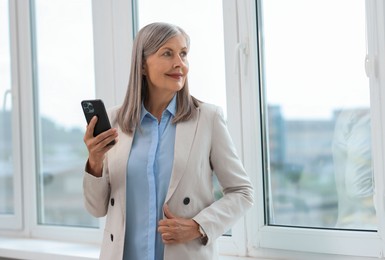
point(6, 158)
point(64, 75)
point(316, 95)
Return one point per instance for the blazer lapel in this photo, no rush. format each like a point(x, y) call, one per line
point(184, 138)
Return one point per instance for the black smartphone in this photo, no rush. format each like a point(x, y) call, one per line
point(95, 107)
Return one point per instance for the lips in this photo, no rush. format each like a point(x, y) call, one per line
point(175, 75)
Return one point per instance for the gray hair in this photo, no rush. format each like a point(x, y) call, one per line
point(147, 42)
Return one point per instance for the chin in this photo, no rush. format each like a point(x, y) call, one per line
point(176, 88)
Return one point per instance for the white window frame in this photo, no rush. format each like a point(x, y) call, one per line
point(264, 240)
point(112, 56)
point(113, 38)
point(32, 228)
point(239, 72)
point(14, 221)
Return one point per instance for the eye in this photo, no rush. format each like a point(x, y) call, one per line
point(167, 53)
point(183, 54)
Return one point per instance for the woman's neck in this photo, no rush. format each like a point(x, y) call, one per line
point(156, 105)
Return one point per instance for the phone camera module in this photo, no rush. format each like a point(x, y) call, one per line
point(88, 107)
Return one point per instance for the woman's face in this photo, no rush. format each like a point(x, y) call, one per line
point(166, 70)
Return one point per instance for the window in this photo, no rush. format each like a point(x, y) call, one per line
point(319, 118)
point(47, 67)
point(63, 76)
point(10, 197)
point(318, 140)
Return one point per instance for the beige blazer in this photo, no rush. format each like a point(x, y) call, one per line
point(203, 147)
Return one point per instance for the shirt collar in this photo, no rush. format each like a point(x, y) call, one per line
point(171, 108)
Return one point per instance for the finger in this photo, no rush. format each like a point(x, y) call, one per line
point(168, 239)
point(91, 126)
point(98, 147)
point(107, 133)
point(106, 136)
point(163, 223)
point(106, 144)
point(163, 230)
point(167, 212)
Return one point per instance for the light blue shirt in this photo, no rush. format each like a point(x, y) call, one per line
point(148, 175)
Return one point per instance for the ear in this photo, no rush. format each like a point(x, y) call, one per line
point(144, 69)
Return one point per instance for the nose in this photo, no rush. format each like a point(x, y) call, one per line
point(179, 61)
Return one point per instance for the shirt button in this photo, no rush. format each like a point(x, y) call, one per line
point(112, 237)
point(112, 202)
point(186, 201)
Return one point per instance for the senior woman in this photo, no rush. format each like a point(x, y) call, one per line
point(156, 183)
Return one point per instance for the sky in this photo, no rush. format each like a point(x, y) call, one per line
point(314, 60)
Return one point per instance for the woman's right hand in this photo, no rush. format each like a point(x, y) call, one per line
point(97, 147)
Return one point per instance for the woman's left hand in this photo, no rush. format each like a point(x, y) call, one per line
point(177, 230)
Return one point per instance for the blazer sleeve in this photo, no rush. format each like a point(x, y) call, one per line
point(220, 216)
point(96, 191)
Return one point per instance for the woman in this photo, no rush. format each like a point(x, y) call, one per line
point(155, 184)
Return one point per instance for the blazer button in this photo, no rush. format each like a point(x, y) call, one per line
point(112, 202)
point(112, 237)
point(186, 201)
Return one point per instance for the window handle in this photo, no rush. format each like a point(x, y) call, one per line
point(6, 93)
point(241, 52)
point(370, 66)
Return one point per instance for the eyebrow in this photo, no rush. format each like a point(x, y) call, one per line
point(170, 49)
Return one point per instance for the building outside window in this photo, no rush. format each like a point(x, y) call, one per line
point(63, 76)
point(318, 141)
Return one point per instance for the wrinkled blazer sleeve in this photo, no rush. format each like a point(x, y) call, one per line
point(96, 192)
point(218, 218)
